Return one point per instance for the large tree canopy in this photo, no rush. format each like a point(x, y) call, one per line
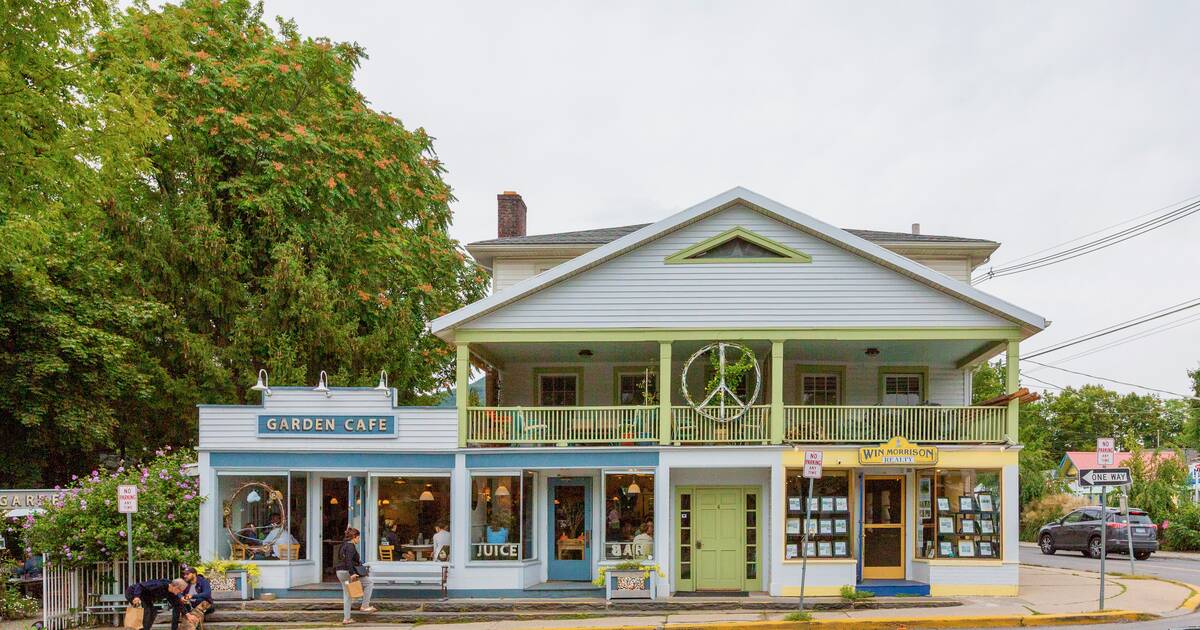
point(196, 195)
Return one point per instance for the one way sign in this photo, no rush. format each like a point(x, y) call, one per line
point(1104, 477)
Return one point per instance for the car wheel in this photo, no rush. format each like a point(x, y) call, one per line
point(1047, 544)
point(1141, 555)
point(1093, 548)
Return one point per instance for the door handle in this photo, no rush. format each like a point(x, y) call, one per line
point(587, 537)
point(698, 545)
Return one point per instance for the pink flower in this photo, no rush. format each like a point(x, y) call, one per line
point(122, 532)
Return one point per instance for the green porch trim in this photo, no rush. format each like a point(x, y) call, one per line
point(977, 356)
point(784, 254)
point(818, 368)
point(1013, 383)
point(777, 419)
point(923, 370)
point(640, 370)
point(735, 334)
point(664, 392)
point(539, 372)
point(462, 372)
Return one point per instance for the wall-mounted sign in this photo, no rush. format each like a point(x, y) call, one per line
point(15, 499)
point(898, 451)
point(629, 550)
point(496, 551)
point(277, 425)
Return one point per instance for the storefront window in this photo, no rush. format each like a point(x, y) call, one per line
point(501, 517)
point(414, 519)
point(255, 511)
point(828, 526)
point(629, 516)
point(959, 512)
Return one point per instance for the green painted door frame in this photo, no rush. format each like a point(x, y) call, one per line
point(713, 525)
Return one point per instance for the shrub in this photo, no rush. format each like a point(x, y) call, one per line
point(14, 605)
point(81, 524)
point(799, 615)
point(850, 594)
point(1183, 531)
point(1048, 508)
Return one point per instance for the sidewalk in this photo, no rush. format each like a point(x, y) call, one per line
point(1174, 555)
point(1045, 593)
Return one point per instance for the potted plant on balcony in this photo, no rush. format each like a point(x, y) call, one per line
point(632, 579)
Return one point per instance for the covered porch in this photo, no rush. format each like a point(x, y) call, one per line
point(811, 386)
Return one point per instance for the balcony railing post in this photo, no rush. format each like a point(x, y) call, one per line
point(1012, 382)
point(664, 392)
point(776, 392)
point(462, 394)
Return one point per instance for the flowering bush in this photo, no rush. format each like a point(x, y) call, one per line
point(15, 605)
point(81, 524)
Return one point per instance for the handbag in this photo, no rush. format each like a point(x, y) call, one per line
point(354, 589)
point(133, 617)
point(362, 570)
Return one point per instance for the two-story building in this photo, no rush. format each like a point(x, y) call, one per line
point(650, 392)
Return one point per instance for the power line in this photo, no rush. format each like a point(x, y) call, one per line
point(1149, 317)
point(1142, 335)
point(1111, 380)
point(1093, 246)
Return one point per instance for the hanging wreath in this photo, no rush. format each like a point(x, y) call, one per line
point(273, 496)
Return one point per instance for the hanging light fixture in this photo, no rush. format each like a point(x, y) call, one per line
point(634, 488)
point(427, 495)
point(502, 491)
point(323, 384)
point(333, 501)
point(400, 481)
point(387, 502)
point(261, 385)
point(383, 384)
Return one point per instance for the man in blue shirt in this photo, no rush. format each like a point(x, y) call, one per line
point(197, 598)
point(147, 594)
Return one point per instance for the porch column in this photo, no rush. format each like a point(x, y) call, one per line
point(1012, 382)
point(664, 392)
point(776, 392)
point(462, 390)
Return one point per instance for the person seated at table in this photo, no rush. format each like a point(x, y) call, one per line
point(31, 568)
point(248, 534)
point(278, 538)
point(408, 556)
point(441, 541)
point(646, 536)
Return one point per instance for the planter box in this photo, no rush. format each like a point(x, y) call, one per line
point(629, 585)
point(231, 585)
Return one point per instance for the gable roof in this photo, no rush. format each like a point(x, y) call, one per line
point(798, 220)
point(1087, 459)
point(610, 234)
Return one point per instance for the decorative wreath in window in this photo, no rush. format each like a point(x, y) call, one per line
point(251, 492)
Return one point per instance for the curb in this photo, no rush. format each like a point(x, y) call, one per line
point(891, 623)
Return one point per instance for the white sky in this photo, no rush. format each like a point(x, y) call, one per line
point(1028, 123)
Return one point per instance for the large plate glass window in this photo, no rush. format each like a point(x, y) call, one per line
point(959, 514)
point(263, 518)
point(558, 390)
point(629, 516)
point(414, 518)
point(830, 522)
point(502, 517)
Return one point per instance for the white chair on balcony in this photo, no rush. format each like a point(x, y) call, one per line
point(530, 429)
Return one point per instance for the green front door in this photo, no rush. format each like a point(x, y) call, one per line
point(720, 534)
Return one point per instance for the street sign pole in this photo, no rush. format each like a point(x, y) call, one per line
point(813, 465)
point(129, 539)
point(127, 504)
point(1103, 543)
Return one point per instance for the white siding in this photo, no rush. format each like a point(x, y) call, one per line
point(945, 385)
point(638, 290)
point(509, 271)
point(955, 267)
point(235, 427)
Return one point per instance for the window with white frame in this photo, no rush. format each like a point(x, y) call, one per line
point(629, 516)
point(820, 389)
point(902, 389)
point(502, 517)
point(264, 516)
point(558, 390)
point(414, 518)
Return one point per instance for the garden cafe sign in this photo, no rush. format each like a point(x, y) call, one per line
point(23, 499)
point(898, 450)
point(276, 425)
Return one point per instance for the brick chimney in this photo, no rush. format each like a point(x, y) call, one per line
point(510, 214)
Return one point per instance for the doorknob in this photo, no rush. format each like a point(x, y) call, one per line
point(698, 544)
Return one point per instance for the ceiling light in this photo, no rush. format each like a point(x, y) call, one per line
point(634, 488)
point(872, 352)
point(585, 353)
point(502, 491)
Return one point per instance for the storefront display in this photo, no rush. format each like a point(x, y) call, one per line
point(255, 511)
point(414, 518)
point(501, 517)
point(828, 526)
point(963, 520)
point(629, 519)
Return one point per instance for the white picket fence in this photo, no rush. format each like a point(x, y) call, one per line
point(68, 592)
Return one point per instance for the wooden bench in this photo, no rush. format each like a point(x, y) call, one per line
point(392, 574)
point(114, 604)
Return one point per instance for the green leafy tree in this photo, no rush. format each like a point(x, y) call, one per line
point(1157, 484)
point(82, 525)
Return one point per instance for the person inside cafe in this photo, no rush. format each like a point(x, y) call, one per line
point(197, 599)
point(147, 594)
point(441, 541)
point(278, 540)
point(248, 534)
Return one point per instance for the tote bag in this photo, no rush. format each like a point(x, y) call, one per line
point(353, 588)
point(133, 617)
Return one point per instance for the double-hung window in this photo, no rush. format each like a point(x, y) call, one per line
point(637, 386)
point(558, 390)
point(903, 389)
point(820, 389)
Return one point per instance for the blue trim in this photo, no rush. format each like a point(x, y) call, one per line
point(892, 588)
point(575, 570)
point(345, 461)
point(315, 425)
point(568, 459)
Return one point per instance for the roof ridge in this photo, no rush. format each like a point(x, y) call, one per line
point(609, 234)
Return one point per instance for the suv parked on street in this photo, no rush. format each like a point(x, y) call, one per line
point(1080, 531)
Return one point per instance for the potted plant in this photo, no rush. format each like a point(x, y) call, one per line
point(230, 579)
point(632, 579)
point(498, 526)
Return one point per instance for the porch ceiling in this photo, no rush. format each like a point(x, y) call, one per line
point(942, 352)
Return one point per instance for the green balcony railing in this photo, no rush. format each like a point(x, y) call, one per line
point(870, 424)
point(688, 426)
point(501, 426)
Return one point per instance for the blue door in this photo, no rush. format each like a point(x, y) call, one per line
point(570, 510)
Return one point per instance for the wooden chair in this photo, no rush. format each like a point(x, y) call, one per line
point(386, 553)
point(239, 551)
point(288, 552)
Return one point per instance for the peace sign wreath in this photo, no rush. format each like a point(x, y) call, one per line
point(731, 363)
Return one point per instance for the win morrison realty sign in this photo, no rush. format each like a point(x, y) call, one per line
point(326, 426)
point(898, 451)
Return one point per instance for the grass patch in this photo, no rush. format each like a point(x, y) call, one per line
point(851, 595)
point(799, 615)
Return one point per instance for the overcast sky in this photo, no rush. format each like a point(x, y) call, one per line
point(1028, 123)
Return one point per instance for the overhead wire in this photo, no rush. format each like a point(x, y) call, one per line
point(1108, 330)
point(1112, 380)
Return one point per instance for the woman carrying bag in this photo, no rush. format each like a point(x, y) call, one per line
point(353, 576)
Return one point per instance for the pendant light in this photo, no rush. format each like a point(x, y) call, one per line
point(333, 501)
point(427, 495)
point(502, 491)
point(634, 488)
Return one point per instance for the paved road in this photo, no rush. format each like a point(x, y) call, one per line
point(1171, 568)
